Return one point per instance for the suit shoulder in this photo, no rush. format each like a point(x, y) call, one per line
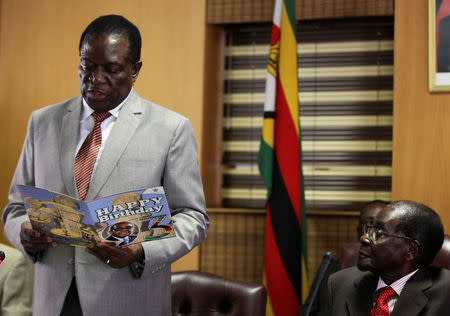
point(12, 255)
point(350, 276)
point(161, 111)
point(57, 109)
point(345, 273)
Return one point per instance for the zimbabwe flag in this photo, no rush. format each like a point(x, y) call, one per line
point(280, 167)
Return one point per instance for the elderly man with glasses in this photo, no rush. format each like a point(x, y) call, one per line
point(394, 276)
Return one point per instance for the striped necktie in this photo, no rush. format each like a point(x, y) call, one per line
point(87, 155)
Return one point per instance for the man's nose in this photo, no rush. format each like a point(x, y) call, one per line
point(97, 76)
point(364, 239)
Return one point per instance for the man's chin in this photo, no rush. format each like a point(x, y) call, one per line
point(364, 264)
point(99, 105)
point(363, 267)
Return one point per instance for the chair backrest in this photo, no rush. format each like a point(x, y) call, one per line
point(442, 258)
point(197, 293)
point(349, 255)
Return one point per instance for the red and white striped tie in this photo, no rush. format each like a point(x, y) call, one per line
point(87, 155)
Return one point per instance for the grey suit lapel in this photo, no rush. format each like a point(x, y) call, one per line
point(70, 126)
point(361, 303)
point(412, 299)
point(122, 132)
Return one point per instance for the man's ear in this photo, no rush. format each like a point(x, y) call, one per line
point(136, 68)
point(413, 250)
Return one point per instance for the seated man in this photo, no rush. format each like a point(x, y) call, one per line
point(393, 275)
point(16, 283)
point(319, 307)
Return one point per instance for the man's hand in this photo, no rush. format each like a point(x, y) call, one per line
point(116, 257)
point(33, 241)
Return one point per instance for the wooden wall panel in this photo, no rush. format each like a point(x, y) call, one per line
point(421, 152)
point(235, 244)
point(39, 60)
point(212, 112)
point(250, 11)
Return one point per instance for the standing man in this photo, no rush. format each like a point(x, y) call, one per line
point(106, 141)
point(393, 275)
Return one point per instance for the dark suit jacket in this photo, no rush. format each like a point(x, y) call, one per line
point(130, 239)
point(426, 293)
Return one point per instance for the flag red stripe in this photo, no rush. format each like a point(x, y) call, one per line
point(287, 149)
point(281, 292)
point(275, 34)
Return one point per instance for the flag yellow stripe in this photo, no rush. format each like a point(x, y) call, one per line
point(268, 131)
point(269, 311)
point(288, 67)
point(305, 285)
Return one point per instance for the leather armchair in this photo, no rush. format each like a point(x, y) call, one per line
point(349, 255)
point(442, 258)
point(197, 293)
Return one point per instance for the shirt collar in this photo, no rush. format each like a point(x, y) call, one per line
point(397, 285)
point(86, 110)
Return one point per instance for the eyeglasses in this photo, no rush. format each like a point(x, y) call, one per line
point(375, 233)
point(122, 228)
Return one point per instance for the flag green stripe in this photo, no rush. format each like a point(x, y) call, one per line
point(265, 163)
point(290, 10)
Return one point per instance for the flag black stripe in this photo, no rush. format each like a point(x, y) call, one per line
point(286, 229)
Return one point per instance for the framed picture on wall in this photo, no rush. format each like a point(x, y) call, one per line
point(439, 45)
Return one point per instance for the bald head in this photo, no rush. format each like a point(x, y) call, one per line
point(420, 222)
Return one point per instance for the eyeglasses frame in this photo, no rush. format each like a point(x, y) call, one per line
point(378, 231)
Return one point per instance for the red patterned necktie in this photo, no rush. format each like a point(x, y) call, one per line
point(87, 155)
point(381, 306)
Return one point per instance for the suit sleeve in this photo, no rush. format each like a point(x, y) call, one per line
point(329, 302)
point(14, 213)
point(184, 190)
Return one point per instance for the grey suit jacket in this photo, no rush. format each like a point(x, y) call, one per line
point(426, 293)
point(148, 146)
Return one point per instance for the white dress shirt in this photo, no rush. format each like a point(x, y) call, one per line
point(397, 286)
point(87, 125)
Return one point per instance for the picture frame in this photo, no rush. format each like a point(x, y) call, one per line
point(439, 45)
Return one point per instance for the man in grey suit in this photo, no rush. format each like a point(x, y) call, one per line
point(393, 275)
point(142, 145)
